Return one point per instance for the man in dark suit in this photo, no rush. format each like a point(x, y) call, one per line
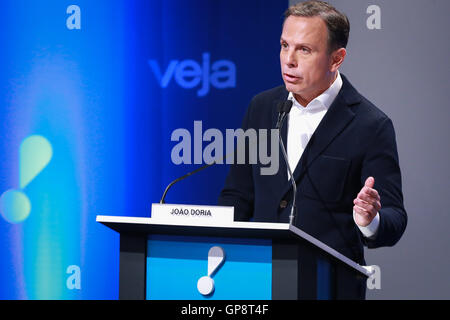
point(342, 147)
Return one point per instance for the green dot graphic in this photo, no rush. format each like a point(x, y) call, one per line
point(14, 206)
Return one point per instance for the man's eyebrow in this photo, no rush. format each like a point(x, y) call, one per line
point(301, 44)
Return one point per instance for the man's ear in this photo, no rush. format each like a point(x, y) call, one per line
point(337, 58)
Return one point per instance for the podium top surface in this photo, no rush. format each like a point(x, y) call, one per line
point(233, 229)
point(237, 229)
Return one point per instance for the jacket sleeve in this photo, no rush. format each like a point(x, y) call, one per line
point(238, 190)
point(382, 163)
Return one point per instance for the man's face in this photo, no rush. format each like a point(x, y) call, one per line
point(305, 59)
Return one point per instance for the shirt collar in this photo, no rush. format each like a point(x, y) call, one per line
point(325, 99)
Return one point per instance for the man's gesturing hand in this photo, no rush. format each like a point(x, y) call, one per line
point(366, 204)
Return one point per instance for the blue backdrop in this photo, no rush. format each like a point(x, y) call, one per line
point(90, 93)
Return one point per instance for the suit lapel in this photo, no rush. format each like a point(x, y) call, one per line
point(333, 123)
point(338, 116)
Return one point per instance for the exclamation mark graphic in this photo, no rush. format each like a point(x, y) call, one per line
point(34, 155)
point(216, 257)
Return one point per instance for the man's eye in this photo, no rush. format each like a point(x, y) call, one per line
point(305, 50)
point(284, 45)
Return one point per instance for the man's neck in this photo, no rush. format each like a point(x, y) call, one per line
point(304, 101)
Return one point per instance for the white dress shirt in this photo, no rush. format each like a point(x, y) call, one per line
point(303, 121)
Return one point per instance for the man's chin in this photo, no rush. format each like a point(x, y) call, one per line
point(292, 87)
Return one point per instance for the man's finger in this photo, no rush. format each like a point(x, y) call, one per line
point(370, 182)
point(362, 217)
point(368, 195)
point(371, 207)
point(361, 211)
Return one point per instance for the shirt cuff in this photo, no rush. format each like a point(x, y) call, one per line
point(371, 229)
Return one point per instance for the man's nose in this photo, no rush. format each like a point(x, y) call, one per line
point(291, 60)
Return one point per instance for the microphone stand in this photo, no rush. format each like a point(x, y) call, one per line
point(284, 110)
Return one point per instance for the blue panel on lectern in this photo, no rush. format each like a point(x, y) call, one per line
point(175, 264)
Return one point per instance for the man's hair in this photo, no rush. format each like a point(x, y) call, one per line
point(337, 23)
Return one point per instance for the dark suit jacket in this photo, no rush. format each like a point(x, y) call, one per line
point(354, 140)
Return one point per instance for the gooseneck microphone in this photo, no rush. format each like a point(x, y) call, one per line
point(284, 108)
point(162, 201)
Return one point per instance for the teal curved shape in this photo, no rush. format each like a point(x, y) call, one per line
point(34, 155)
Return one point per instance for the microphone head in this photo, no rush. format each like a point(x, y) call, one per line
point(280, 107)
point(284, 106)
point(287, 106)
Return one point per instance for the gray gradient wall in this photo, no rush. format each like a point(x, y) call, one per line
point(398, 58)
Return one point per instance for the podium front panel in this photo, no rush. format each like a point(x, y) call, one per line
point(176, 263)
point(262, 261)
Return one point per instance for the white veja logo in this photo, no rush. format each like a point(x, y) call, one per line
point(189, 74)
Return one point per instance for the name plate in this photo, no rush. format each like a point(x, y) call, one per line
point(192, 214)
